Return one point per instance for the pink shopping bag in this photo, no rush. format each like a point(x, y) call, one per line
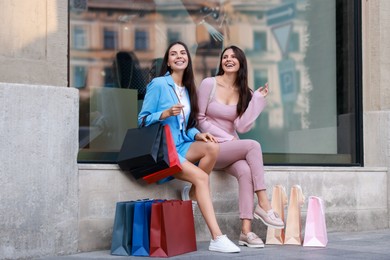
point(315, 229)
point(293, 224)
point(279, 201)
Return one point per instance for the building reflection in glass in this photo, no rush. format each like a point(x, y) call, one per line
point(115, 45)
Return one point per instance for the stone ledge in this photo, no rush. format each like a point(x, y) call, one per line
point(351, 196)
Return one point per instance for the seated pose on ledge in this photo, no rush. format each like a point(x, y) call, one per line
point(171, 99)
point(227, 106)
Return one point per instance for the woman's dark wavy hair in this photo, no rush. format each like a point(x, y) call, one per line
point(245, 93)
point(188, 82)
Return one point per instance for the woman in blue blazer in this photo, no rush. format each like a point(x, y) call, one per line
point(171, 99)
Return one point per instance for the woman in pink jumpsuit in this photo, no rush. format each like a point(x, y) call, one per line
point(227, 106)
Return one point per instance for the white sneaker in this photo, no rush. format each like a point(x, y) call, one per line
point(224, 245)
point(185, 195)
point(185, 192)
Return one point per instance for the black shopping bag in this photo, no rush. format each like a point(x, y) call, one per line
point(161, 163)
point(142, 151)
point(122, 234)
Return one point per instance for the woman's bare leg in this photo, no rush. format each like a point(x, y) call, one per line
point(204, 153)
point(200, 180)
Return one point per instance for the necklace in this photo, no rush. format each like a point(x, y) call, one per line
point(180, 90)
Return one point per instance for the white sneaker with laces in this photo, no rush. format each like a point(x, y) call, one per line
point(224, 245)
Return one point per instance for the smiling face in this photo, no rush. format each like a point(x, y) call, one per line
point(229, 61)
point(177, 58)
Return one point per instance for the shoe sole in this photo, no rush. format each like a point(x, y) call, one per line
point(265, 223)
point(243, 243)
point(223, 251)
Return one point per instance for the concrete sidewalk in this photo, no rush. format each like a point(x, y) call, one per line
point(350, 245)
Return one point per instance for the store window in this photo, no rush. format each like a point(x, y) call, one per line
point(307, 50)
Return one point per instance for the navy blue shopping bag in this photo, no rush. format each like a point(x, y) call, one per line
point(141, 230)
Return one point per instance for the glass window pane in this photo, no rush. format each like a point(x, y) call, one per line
point(307, 50)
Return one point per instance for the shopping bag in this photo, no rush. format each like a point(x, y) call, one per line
point(315, 228)
point(142, 149)
point(293, 224)
point(122, 231)
point(279, 201)
point(174, 162)
point(172, 230)
point(141, 226)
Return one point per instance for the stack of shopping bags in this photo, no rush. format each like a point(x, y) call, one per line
point(149, 153)
point(315, 233)
point(157, 228)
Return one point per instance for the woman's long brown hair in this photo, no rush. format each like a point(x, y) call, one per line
point(188, 81)
point(244, 92)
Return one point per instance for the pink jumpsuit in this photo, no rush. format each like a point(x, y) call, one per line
point(241, 158)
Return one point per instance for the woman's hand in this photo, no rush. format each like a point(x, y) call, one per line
point(172, 111)
point(205, 137)
point(264, 90)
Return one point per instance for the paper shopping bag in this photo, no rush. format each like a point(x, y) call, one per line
point(142, 151)
point(279, 201)
point(122, 232)
point(141, 222)
point(174, 162)
point(315, 228)
point(172, 230)
point(293, 224)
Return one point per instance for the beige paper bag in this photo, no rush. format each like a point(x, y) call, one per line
point(279, 201)
point(293, 234)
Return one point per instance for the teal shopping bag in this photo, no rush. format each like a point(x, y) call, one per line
point(122, 234)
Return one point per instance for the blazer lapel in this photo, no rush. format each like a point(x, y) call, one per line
point(172, 92)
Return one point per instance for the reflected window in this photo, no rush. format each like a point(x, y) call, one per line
point(79, 37)
point(141, 40)
point(110, 38)
point(294, 42)
point(173, 36)
point(261, 77)
point(79, 76)
point(109, 78)
point(260, 41)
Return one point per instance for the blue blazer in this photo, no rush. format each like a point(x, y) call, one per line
point(161, 95)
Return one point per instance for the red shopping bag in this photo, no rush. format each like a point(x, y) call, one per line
point(315, 228)
point(293, 225)
point(174, 162)
point(172, 229)
point(279, 201)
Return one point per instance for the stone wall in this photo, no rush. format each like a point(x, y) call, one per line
point(34, 42)
point(376, 88)
point(355, 199)
point(38, 170)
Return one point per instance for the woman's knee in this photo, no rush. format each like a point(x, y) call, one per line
point(253, 144)
point(212, 148)
point(201, 180)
